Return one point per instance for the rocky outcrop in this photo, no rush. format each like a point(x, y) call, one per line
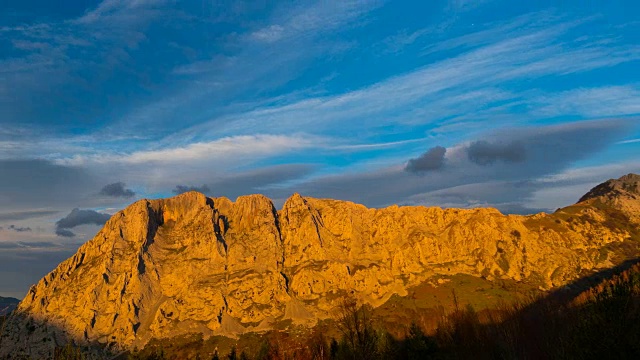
point(193, 264)
point(626, 186)
point(622, 194)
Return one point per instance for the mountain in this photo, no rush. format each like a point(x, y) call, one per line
point(624, 188)
point(7, 304)
point(620, 194)
point(165, 268)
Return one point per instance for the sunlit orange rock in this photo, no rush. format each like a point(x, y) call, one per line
point(193, 264)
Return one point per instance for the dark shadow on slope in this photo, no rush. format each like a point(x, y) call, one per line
point(23, 337)
point(591, 318)
point(573, 289)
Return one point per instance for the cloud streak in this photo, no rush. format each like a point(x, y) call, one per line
point(223, 149)
point(485, 153)
point(24, 215)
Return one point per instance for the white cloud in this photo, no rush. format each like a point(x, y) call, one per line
point(236, 146)
point(115, 10)
point(269, 34)
point(632, 141)
point(227, 149)
point(592, 102)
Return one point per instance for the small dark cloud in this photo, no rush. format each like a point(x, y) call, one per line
point(79, 217)
point(431, 160)
point(185, 188)
point(65, 233)
point(485, 153)
point(18, 228)
point(117, 189)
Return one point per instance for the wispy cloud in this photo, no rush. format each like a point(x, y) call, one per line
point(374, 146)
point(23, 215)
point(591, 102)
point(315, 19)
point(258, 61)
point(269, 34)
point(119, 10)
point(69, 53)
point(5, 245)
point(471, 82)
point(224, 150)
point(632, 141)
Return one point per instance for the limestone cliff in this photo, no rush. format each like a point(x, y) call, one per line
point(193, 264)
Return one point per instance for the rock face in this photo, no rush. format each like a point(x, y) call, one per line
point(193, 264)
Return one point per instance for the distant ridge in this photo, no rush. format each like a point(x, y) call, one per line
point(7, 305)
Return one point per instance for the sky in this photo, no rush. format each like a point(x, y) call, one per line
point(522, 106)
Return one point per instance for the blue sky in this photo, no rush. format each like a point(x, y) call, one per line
point(518, 105)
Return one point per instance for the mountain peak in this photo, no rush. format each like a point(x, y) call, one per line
point(625, 186)
point(293, 201)
point(630, 178)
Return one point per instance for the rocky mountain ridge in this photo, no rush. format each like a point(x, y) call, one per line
point(194, 264)
point(7, 305)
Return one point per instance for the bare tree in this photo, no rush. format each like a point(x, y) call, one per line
point(356, 326)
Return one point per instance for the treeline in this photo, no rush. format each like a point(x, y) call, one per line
point(603, 322)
